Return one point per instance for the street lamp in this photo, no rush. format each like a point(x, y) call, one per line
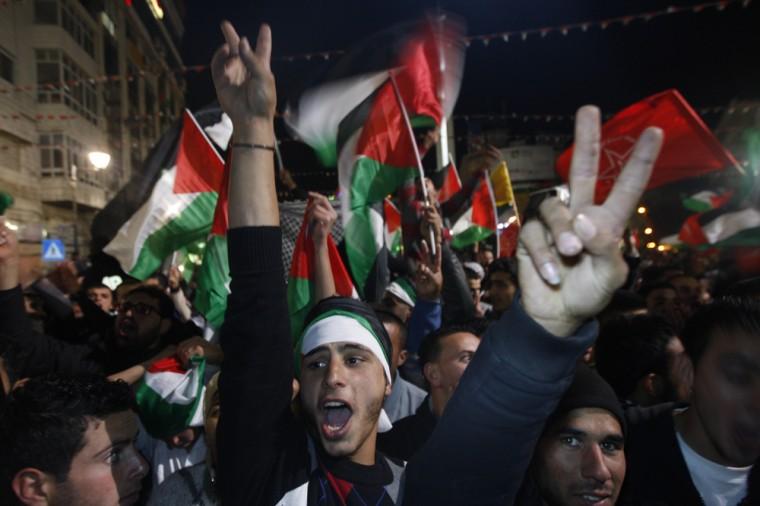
point(99, 159)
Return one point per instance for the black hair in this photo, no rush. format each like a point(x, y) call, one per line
point(430, 349)
point(165, 304)
point(161, 279)
point(727, 314)
point(97, 285)
point(501, 265)
point(43, 422)
point(646, 289)
point(629, 348)
point(389, 318)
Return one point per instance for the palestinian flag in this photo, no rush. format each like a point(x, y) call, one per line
point(214, 274)
point(451, 183)
point(170, 398)
point(722, 227)
point(301, 297)
point(392, 227)
point(361, 117)
point(689, 149)
point(479, 221)
point(179, 208)
point(706, 200)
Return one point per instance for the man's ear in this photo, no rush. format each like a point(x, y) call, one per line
point(402, 356)
point(388, 387)
point(432, 374)
point(651, 383)
point(32, 486)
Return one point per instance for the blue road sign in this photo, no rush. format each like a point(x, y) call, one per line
point(53, 250)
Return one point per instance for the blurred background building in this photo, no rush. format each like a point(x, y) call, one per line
point(81, 79)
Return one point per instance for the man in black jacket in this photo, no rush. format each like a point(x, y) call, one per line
point(704, 454)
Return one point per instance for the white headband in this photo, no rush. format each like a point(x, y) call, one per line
point(339, 329)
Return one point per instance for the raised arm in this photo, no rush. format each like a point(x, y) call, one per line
point(246, 91)
point(321, 218)
point(256, 379)
point(482, 445)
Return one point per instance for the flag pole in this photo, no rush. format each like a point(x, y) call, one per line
point(410, 131)
point(512, 194)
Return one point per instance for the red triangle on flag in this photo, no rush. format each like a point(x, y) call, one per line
point(451, 183)
point(690, 149)
point(392, 216)
point(199, 166)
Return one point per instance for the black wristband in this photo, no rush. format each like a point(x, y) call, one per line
point(248, 145)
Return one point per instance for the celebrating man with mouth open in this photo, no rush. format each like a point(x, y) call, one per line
point(323, 449)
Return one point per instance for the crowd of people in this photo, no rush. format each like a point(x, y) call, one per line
point(575, 373)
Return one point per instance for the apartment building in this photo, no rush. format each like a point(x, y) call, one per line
point(77, 77)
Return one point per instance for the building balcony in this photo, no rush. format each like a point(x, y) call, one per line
point(61, 192)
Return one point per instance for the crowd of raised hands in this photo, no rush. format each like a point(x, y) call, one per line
point(472, 380)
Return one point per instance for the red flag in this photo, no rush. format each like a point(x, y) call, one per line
point(690, 149)
point(508, 240)
point(221, 213)
point(301, 277)
point(199, 166)
point(451, 183)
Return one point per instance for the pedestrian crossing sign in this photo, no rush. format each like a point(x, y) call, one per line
point(53, 250)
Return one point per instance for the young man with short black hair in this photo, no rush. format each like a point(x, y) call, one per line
point(444, 356)
point(70, 441)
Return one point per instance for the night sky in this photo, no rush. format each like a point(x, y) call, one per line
point(711, 57)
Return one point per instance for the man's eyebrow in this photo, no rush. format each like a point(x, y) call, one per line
point(353, 346)
point(569, 431)
point(316, 350)
point(615, 438)
point(738, 359)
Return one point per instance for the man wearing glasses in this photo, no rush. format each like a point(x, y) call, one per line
point(142, 331)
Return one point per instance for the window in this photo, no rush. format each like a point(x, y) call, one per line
point(6, 66)
point(48, 75)
point(51, 155)
point(79, 30)
point(63, 13)
point(46, 12)
point(62, 156)
point(62, 80)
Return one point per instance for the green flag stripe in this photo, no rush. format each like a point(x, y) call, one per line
point(470, 236)
point(300, 301)
point(213, 279)
point(193, 224)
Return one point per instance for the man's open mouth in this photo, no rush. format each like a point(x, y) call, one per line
point(335, 419)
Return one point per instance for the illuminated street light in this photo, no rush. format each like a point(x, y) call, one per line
point(648, 231)
point(642, 210)
point(99, 159)
point(651, 245)
point(660, 248)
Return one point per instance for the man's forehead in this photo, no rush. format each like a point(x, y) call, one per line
point(461, 341)
point(338, 347)
point(115, 428)
point(593, 421)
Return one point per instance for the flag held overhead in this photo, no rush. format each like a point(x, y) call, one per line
point(690, 149)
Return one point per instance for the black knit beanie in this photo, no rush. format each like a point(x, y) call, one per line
point(589, 390)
